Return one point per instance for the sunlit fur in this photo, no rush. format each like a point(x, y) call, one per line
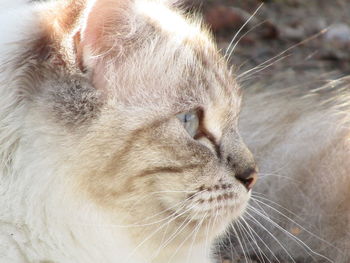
point(94, 164)
point(300, 139)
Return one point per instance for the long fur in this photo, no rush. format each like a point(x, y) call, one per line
point(300, 139)
point(94, 164)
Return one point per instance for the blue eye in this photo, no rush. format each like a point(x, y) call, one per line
point(190, 121)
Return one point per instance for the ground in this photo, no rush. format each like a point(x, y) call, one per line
point(309, 39)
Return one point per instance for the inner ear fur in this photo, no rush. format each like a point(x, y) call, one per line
point(76, 30)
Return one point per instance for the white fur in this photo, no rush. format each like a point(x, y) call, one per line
point(33, 181)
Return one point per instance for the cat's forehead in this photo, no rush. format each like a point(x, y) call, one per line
point(177, 66)
point(174, 79)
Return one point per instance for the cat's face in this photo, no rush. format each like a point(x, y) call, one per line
point(149, 116)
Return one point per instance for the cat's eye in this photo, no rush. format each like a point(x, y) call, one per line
point(190, 121)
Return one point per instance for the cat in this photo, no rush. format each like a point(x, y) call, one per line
point(118, 133)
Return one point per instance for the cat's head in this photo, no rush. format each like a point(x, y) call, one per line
point(142, 112)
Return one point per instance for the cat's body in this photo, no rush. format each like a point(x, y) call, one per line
point(118, 133)
point(301, 140)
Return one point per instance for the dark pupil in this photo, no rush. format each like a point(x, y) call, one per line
point(187, 117)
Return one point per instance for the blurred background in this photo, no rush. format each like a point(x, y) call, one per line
point(290, 42)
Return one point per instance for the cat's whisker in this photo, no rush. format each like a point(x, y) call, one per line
point(138, 200)
point(253, 219)
point(261, 240)
point(165, 234)
point(248, 239)
point(263, 175)
point(193, 233)
point(157, 192)
point(256, 196)
point(294, 222)
point(301, 244)
point(144, 241)
point(173, 235)
point(239, 40)
point(221, 245)
point(182, 226)
point(284, 52)
point(245, 240)
point(189, 219)
point(156, 231)
point(245, 34)
point(229, 50)
point(228, 234)
point(239, 242)
point(248, 234)
point(198, 227)
point(136, 225)
point(298, 241)
point(207, 234)
point(259, 205)
point(216, 215)
point(183, 202)
point(174, 191)
point(245, 76)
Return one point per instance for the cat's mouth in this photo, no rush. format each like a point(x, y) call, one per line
point(222, 202)
point(218, 209)
point(218, 206)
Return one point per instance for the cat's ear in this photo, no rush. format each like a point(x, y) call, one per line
point(83, 29)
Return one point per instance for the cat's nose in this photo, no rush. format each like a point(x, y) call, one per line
point(247, 177)
point(239, 160)
point(243, 167)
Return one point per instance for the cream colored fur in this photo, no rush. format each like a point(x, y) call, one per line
point(300, 139)
point(94, 164)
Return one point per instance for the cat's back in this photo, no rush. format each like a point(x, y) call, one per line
point(301, 141)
